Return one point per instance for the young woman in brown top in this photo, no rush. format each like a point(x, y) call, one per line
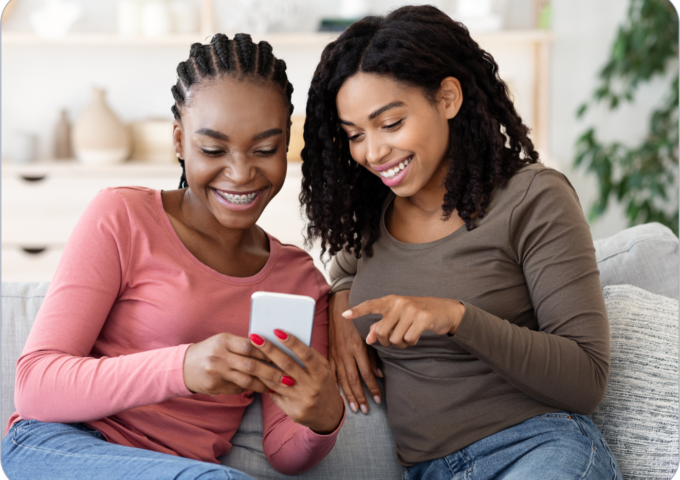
point(471, 266)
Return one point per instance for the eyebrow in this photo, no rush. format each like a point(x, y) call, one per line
point(267, 133)
point(221, 136)
point(375, 114)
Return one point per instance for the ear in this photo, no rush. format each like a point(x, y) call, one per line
point(177, 139)
point(450, 97)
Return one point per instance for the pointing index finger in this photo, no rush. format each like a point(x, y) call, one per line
point(365, 308)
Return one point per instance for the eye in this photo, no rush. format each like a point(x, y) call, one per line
point(394, 125)
point(212, 153)
point(266, 153)
point(354, 137)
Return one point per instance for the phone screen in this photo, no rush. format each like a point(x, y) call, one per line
point(293, 314)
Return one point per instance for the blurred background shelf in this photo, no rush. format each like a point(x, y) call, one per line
point(301, 39)
point(294, 39)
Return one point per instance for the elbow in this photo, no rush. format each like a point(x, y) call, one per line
point(297, 461)
point(28, 402)
point(589, 398)
point(289, 467)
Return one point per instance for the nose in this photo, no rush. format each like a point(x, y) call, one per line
point(376, 149)
point(239, 170)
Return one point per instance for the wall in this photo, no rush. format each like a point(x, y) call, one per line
point(584, 33)
point(38, 81)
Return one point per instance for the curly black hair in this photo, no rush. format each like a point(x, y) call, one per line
point(417, 46)
point(240, 58)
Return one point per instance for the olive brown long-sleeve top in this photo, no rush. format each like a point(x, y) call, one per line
point(534, 338)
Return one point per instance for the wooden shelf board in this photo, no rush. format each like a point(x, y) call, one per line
point(300, 39)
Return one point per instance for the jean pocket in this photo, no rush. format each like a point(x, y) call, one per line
point(21, 424)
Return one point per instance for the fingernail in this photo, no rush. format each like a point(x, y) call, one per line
point(280, 334)
point(353, 406)
point(286, 380)
point(347, 313)
point(364, 409)
point(380, 373)
point(377, 399)
point(256, 339)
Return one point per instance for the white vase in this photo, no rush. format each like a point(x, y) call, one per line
point(129, 17)
point(184, 17)
point(98, 136)
point(351, 9)
point(55, 18)
point(156, 19)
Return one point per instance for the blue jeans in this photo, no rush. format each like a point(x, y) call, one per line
point(554, 446)
point(37, 450)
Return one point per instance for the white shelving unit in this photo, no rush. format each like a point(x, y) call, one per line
point(42, 201)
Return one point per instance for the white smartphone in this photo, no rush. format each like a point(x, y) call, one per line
point(290, 313)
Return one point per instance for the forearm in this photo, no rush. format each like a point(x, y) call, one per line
point(53, 386)
point(551, 368)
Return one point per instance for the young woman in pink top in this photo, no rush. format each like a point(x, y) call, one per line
point(138, 364)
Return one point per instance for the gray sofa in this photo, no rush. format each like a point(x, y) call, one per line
point(639, 415)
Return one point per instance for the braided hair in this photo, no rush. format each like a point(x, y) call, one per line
point(240, 58)
point(417, 46)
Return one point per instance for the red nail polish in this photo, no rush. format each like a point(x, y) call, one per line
point(271, 391)
point(256, 339)
point(286, 380)
point(281, 334)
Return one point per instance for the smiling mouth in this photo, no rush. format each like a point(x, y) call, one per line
point(392, 172)
point(238, 199)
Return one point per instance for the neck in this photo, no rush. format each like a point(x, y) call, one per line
point(430, 198)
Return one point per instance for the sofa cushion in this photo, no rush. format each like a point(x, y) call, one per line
point(639, 413)
point(20, 304)
point(364, 448)
point(645, 256)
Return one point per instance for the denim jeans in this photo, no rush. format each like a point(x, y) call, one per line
point(36, 450)
point(553, 446)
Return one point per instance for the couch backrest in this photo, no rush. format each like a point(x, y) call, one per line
point(645, 256)
point(20, 304)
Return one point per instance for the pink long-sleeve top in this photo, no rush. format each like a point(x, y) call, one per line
point(128, 298)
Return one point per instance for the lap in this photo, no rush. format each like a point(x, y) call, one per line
point(36, 450)
point(559, 446)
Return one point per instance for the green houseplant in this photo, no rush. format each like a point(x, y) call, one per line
point(642, 177)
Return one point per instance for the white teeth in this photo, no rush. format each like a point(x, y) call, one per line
point(238, 199)
point(393, 171)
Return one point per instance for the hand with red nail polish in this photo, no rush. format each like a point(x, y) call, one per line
point(310, 395)
point(227, 364)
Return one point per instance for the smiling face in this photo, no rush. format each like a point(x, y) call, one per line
point(396, 132)
point(233, 137)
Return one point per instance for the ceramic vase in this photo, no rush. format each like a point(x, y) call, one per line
point(62, 138)
point(98, 136)
point(155, 17)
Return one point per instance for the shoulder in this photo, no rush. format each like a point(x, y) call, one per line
point(536, 178)
point(116, 198)
point(530, 183)
point(298, 268)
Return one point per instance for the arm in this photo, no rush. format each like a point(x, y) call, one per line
point(292, 448)
point(56, 379)
point(342, 272)
point(566, 363)
point(350, 358)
